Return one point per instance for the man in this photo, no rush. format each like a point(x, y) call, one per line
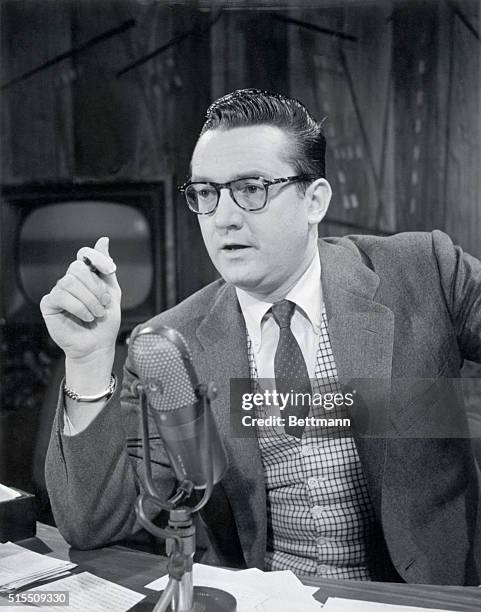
point(404, 309)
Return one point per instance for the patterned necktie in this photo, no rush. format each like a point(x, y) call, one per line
point(290, 368)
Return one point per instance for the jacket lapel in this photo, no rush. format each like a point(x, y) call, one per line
point(361, 331)
point(223, 337)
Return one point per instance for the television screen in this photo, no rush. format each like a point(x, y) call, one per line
point(51, 235)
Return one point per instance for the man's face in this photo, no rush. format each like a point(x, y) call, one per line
point(266, 251)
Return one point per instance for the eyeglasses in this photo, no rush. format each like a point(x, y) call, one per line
point(249, 193)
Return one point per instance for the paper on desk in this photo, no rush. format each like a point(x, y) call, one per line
point(253, 589)
point(19, 567)
point(89, 592)
point(247, 598)
point(287, 578)
point(283, 590)
point(338, 604)
point(7, 493)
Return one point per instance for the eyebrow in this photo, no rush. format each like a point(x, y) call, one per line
point(250, 174)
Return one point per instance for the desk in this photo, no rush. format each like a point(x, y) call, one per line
point(133, 569)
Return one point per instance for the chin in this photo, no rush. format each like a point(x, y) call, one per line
point(242, 281)
point(238, 276)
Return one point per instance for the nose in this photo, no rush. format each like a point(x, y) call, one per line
point(228, 215)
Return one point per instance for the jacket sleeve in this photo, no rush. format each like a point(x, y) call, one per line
point(94, 477)
point(460, 275)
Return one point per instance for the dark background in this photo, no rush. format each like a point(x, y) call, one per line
point(113, 92)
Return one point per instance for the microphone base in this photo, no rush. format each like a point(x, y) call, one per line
point(208, 599)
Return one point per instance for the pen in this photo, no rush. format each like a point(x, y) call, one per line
point(90, 265)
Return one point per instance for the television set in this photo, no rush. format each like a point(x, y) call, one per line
point(43, 227)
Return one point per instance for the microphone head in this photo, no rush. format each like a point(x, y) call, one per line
point(179, 406)
point(164, 365)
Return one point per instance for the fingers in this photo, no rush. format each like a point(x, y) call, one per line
point(60, 301)
point(89, 286)
point(94, 302)
point(93, 282)
point(70, 295)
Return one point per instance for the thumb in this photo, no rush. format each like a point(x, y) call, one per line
point(102, 245)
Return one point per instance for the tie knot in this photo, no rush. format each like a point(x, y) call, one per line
point(282, 312)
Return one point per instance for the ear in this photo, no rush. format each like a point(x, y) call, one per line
point(317, 197)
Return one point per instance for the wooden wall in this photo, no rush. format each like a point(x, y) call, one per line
point(341, 70)
point(399, 86)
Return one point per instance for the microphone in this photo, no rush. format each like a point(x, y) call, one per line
point(179, 406)
point(169, 390)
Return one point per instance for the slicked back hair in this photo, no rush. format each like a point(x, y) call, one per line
point(248, 107)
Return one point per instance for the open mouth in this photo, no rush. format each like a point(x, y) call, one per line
point(234, 247)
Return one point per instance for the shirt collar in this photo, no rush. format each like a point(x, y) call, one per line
point(306, 294)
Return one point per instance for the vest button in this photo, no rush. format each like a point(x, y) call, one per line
point(317, 511)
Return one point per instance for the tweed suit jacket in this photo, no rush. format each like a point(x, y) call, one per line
point(403, 312)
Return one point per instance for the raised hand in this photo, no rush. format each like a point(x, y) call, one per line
point(82, 311)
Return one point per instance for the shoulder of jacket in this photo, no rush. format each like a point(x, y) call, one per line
point(397, 247)
point(191, 308)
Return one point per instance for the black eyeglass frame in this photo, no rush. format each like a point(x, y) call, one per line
point(266, 182)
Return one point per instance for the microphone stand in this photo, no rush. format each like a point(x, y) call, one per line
point(179, 536)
